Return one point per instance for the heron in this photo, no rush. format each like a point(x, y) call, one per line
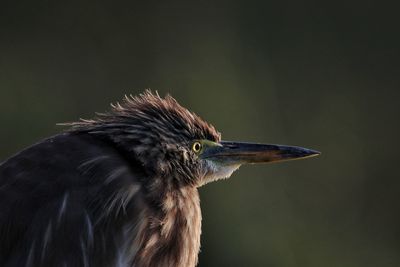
point(120, 189)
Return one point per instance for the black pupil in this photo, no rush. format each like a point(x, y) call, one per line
point(197, 147)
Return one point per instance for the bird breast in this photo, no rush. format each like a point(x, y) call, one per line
point(172, 237)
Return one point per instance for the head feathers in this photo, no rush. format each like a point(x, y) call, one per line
point(149, 112)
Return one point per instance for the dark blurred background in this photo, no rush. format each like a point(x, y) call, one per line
point(323, 75)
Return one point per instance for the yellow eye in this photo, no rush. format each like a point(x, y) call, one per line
point(196, 147)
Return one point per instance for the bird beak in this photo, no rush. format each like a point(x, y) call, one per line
point(242, 153)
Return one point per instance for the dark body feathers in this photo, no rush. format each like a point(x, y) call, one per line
point(59, 203)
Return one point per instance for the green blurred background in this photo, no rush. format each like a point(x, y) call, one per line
point(323, 75)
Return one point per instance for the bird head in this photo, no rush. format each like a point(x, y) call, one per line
point(175, 144)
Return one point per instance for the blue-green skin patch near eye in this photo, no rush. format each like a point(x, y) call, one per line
point(205, 145)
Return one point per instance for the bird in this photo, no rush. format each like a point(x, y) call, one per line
point(120, 189)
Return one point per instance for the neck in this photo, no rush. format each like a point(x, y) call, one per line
point(173, 238)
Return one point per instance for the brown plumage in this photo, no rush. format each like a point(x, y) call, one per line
point(158, 132)
point(119, 190)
